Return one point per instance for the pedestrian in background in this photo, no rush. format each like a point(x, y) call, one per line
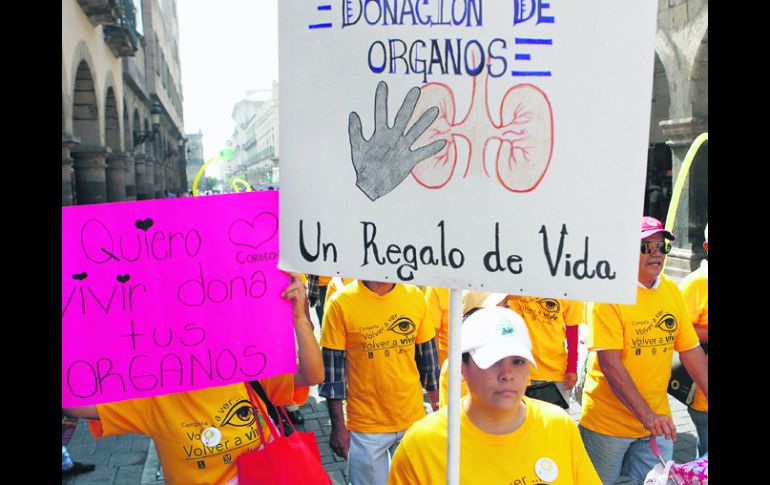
point(695, 290)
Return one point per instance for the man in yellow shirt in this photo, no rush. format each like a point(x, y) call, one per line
point(379, 352)
point(438, 313)
point(551, 322)
point(629, 366)
point(505, 437)
point(695, 290)
point(200, 434)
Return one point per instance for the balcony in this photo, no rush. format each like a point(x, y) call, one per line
point(99, 11)
point(263, 154)
point(121, 35)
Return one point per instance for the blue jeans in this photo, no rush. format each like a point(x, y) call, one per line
point(370, 455)
point(66, 461)
point(632, 457)
point(701, 422)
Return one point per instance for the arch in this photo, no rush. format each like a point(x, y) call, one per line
point(671, 60)
point(657, 191)
point(699, 91)
point(111, 121)
point(85, 109)
point(661, 100)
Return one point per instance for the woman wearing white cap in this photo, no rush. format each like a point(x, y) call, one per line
point(505, 437)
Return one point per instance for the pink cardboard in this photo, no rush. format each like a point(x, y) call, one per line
point(171, 295)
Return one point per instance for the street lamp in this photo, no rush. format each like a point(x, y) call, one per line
point(141, 136)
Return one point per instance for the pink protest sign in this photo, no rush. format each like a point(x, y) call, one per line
point(171, 295)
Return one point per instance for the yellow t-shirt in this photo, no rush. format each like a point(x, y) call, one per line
point(695, 291)
point(335, 284)
point(547, 437)
point(378, 334)
point(175, 422)
point(647, 333)
point(438, 313)
point(324, 280)
point(547, 319)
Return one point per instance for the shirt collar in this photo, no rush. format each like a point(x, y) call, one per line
point(654, 284)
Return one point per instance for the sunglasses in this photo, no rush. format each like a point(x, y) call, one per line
point(648, 247)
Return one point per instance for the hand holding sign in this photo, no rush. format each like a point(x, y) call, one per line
point(384, 161)
point(297, 295)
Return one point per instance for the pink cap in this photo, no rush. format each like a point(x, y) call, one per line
point(651, 226)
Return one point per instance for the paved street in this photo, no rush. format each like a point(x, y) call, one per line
point(131, 459)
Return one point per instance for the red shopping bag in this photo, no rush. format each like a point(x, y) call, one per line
point(284, 459)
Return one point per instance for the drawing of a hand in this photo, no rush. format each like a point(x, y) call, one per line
point(383, 161)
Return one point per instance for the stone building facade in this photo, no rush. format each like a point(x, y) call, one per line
point(255, 140)
point(679, 115)
point(194, 156)
point(120, 64)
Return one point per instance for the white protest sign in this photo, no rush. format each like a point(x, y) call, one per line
point(489, 145)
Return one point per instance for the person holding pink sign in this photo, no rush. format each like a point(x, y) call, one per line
point(200, 434)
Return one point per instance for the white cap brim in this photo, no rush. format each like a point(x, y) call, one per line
point(486, 355)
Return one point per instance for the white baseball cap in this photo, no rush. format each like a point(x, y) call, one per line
point(493, 333)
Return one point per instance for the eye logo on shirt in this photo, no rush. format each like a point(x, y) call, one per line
point(667, 323)
point(403, 326)
point(549, 304)
point(240, 415)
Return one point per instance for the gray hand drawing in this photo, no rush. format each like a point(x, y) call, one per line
point(383, 161)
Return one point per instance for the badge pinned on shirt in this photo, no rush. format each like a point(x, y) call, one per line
point(211, 436)
point(546, 469)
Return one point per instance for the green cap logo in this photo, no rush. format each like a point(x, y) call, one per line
point(505, 328)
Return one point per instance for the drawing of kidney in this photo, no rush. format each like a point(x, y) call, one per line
point(526, 141)
point(516, 146)
point(436, 171)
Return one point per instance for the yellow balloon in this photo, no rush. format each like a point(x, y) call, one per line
point(681, 178)
point(239, 180)
point(208, 162)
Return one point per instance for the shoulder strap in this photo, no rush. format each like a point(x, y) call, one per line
point(268, 404)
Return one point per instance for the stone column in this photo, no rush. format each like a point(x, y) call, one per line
point(182, 168)
point(90, 173)
point(149, 188)
point(130, 177)
point(680, 133)
point(116, 177)
point(67, 142)
point(159, 181)
point(140, 165)
point(170, 179)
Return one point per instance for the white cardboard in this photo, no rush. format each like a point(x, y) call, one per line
point(600, 59)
